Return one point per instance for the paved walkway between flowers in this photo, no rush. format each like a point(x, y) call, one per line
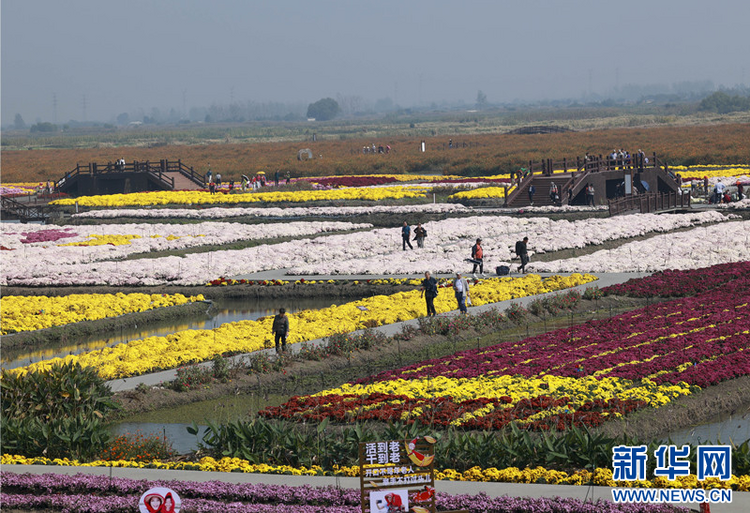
point(605, 280)
point(740, 500)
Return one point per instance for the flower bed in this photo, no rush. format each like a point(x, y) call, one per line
point(449, 242)
point(47, 250)
point(28, 313)
point(376, 251)
point(352, 181)
point(572, 377)
point(690, 249)
point(102, 494)
point(715, 171)
point(673, 283)
point(156, 353)
point(205, 198)
point(482, 192)
point(600, 477)
point(227, 212)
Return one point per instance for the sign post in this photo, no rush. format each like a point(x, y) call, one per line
point(398, 476)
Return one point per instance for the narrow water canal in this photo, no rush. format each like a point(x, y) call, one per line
point(173, 422)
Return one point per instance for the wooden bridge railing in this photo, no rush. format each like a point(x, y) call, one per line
point(23, 212)
point(648, 203)
point(158, 170)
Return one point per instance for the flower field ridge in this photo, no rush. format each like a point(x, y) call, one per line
point(189, 346)
point(570, 377)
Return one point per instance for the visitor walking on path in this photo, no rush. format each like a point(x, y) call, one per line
point(419, 235)
point(405, 235)
point(477, 258)
point(523, 253)
point(532, 190)
point(280, 329)
point(430, 292)
point(461, 290)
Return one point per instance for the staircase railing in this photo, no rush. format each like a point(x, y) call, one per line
point(23, 212)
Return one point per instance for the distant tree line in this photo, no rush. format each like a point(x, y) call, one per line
point(723, 103)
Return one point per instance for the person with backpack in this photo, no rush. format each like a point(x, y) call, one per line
point(419, 235)
point(554, 194)
point(280, 329)
point(477, 258)
point(430, 292)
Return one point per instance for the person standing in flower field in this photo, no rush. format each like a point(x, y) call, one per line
point(430, 292)
point(419, 235)
point(523, 253)
point(405, 235)
point(280, 329)
point(461, 290)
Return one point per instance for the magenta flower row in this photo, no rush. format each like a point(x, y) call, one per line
point(676, 283)
point(100, 494)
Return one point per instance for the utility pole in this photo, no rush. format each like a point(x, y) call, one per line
point(83, 108)
point(54, 107)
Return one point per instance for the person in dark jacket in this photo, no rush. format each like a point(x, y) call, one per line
point(523, 253)
point(405, 235)
point(280, 329)
point(419, 234)
point(430, 291)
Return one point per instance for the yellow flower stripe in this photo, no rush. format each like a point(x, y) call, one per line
point(481, 192)
point(711, 172)
point(601, 476)
point(579, 390)
point(155, 353)
point(204, 198)
point(103, 240)
point(28, 313)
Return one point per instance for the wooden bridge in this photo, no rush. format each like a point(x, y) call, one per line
point(25, 209)
point(135, 176)
point(647, 175)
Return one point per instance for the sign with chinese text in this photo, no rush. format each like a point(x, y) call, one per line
point(398, 476)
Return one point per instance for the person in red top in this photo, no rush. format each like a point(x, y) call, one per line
point(477, 258)
point(394, 503)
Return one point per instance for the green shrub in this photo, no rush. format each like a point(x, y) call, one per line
point(516, 312)
point(57, 413)
point(592, 293)
point(191, 377)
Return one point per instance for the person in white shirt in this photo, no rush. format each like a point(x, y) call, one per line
point(461, 289)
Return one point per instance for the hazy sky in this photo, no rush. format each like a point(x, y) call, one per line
point(126, 55)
